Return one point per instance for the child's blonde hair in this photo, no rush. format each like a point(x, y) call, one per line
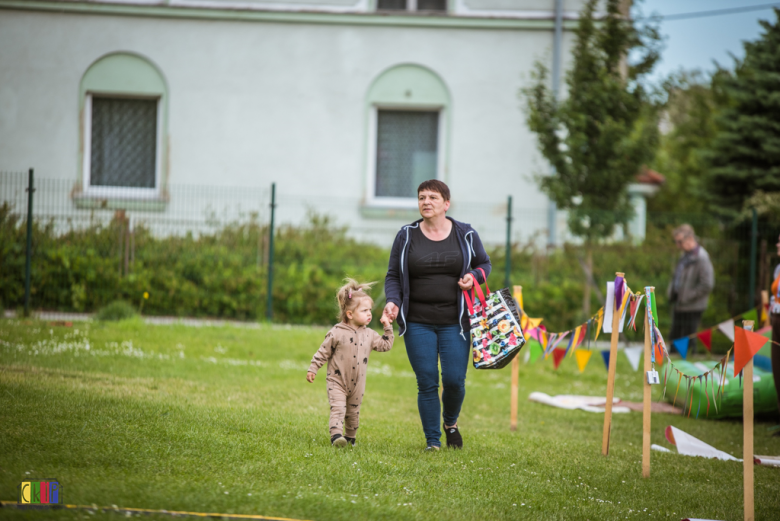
point(350, 295)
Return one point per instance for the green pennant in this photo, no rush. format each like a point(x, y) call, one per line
point(535, 353)
point(750, 315)
point(654, 309)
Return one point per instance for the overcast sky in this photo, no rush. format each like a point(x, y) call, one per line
point(697, 42)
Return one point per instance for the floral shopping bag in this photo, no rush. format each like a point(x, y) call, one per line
point(496, 335)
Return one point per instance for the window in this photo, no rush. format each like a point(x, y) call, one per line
point(406, 151)
point(123, 142)
point(408, 118)
point(412, 5)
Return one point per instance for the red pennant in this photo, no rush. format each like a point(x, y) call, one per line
point(746, 345)
point(583, 333)
point(706, 339)
point(558, 354)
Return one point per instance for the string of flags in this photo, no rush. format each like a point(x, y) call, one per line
point(746, 343)
point(726, 327)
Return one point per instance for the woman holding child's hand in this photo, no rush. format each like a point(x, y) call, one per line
point(432, 261)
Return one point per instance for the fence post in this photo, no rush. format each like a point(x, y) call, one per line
point(753, 243)
point(28, 259)
point(508, 273)
point(270, 300)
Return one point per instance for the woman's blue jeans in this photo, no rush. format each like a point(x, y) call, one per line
point(426, 345)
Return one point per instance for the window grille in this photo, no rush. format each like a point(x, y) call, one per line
point(123, 148)
point(403, 5)
point(407, 144)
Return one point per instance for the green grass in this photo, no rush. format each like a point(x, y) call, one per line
point(197, 419)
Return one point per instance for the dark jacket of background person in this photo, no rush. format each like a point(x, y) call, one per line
point(397, 280)
point(693, 281)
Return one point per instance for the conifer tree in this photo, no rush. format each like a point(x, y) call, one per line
point(603, 131)
point(744, 156)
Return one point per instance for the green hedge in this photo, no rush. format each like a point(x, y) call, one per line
point(217, 274)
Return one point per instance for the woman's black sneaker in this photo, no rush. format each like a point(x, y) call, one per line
point(351, 441)
point(454, 439)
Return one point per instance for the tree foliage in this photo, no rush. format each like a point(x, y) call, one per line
point(600, 135)
point(744, 156)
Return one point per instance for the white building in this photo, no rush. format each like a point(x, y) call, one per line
point(345, 104)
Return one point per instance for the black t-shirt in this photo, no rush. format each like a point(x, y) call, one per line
point(434, 271)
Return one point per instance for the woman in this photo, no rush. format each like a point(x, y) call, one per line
point(774, 317)
point(432, 260)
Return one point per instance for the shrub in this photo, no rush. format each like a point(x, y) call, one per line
point(116, 310)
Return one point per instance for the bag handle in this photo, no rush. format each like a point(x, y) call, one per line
point(469, 301)
point(484, 277)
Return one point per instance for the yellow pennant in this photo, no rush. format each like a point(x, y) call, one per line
point(575, 337)
point(583, 357)
point(543, 339)
point(518, 294)
point(601, 322)
point(533, 323)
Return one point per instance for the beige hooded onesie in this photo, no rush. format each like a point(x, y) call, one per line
point(346, 350)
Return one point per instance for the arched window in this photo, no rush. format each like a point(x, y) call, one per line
point(124, 108)
point(408, 124)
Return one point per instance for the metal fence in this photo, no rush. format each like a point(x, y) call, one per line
point(206, 250)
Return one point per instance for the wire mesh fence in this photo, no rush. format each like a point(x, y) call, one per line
point(203, 251)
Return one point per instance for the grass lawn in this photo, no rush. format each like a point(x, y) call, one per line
point(221, 419)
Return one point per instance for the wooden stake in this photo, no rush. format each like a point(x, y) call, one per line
point(611, 375)
point(646, 398)
point(747, 432)
point(764, 306)
point(517, 293)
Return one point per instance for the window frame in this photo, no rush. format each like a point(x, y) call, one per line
point(411, 7)
point(120, 192)
point(376, 201)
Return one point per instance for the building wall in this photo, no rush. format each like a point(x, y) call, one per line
point(254, 102)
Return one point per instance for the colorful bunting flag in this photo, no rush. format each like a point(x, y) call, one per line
point(633, 354)
point(518, 295)
point(609, 309)
point(681, 345)
point(750, 315)
point(535, 351)
point(583, 333)
point(532, 323)
point(746, 345)
point(605, 357)
point(558, 355)
point(583, 356)
point(727, 328)
point(706, 339)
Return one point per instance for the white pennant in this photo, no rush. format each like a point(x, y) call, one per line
point(727, 328)
point(633, 354)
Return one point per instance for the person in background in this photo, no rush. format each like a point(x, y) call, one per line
point(774, 317)
point(691, 285)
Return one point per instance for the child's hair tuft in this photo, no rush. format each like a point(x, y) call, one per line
point(350, 294)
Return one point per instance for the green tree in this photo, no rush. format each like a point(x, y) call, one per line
point(688, 126)
point(605, 129)
point(744, 156)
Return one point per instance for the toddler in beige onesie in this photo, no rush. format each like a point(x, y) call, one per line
point(346, 349)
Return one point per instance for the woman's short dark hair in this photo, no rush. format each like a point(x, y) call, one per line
point(434, 185)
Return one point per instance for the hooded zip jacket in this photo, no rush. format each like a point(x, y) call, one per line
point(397, 281)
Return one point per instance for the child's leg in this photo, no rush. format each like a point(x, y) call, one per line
point(338, 407)
point(352, 418)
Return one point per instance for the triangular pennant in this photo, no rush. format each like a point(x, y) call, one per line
point(727, 328)
point(533, 323)
point(681, 345)
point(750, 315)
point(582, 356)
point(633, 354)
point(558, 355)
point(518, 295)
point(543, 337)
point(574, 340)
point(746, 345)
point(633, 305)
point(524, 322)
point(553, 345)
point(605, 357)
point(706, 339)
point(533, 334)
point(600, 321)
point(583, 333)
point(535, 351)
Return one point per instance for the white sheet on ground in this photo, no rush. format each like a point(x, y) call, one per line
point(569, 401)
point(687, 445)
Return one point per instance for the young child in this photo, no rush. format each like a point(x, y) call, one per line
point(346, 349)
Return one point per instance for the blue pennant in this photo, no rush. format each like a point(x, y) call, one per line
point(605, 356)
point(681, 344)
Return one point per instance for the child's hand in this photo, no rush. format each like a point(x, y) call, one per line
point(310, 377)
point(385, 321)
